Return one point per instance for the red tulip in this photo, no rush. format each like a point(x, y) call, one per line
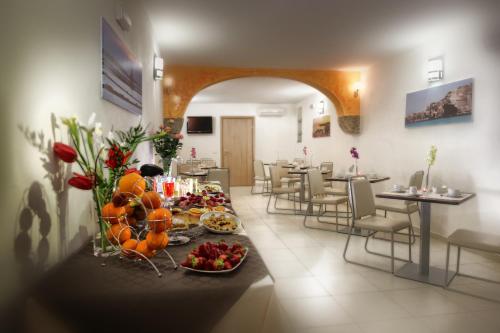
point(82, 182)
point(65, 152)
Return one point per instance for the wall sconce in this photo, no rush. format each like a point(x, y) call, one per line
point(158, 68)
point(319, 108)
point(435, 70)
point(356, 87)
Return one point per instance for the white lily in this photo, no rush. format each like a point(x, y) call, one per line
point(98, 129)
point(110, 136)
point(91, 121)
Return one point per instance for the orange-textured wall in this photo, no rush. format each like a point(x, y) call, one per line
point(182, 83)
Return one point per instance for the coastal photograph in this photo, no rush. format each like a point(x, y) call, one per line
point(450, 102)
point(121, 72)
point(321, 126)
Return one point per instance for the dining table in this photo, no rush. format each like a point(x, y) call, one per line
point(422, 271)
point(302, 172)
point(118, 294)
point(201, 173)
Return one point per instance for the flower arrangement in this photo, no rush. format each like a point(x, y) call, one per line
point(431, 159)
point(193, 152)
point(304, 150)
point(99, 173)
point(167, 144)
point(355, 155)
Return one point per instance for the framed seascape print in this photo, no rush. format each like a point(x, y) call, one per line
point(321, 126)
point(443, 104)
point(121, 72)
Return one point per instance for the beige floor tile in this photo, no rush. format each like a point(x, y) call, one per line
point(287, 269)
point(371, 306)
point(299, 288)
point(347, 328)
point(346, 284)
point(425, 301)
point(406, 325)
point(316, 312)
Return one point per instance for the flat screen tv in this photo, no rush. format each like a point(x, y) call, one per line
point(199, 125)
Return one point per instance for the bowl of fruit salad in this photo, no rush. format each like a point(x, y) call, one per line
point(215, 258)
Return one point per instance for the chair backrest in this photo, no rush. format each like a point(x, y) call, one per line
point(415, 180)
point(208, 162)
point(275, 176)
point(361, 198)
point(183, 167)
point(258, 169)
point(282, 172)
point(221, 175)
point(328, 166)
point(299, 160)
point(316, 186)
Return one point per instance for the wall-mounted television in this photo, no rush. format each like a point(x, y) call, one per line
point(199, 125)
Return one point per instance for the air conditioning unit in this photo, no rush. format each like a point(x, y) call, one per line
point(271, 111)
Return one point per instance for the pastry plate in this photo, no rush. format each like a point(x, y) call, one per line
point(208, 214)
point(218, 272)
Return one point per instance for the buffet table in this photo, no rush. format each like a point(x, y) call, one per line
point(115, 294)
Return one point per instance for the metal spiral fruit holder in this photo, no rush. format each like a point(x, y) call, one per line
point(138, 232)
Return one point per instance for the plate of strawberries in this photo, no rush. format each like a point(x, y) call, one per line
point(215, 258)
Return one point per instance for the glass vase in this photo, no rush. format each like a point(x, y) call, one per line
point(167, 163)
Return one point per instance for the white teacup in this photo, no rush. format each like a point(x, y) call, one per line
point(397, 187)
point(453, 192)
point(412, 190)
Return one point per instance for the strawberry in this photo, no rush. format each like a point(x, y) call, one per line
point(195, 263)
point(228, 200)
point(223, 246)
point(235, 259)
point(209, 265)
point(227, 265)
point(186, 263)
point(221, 194)
point(218, 265)
point(213, 254)
point(202, 262)
point(235, 247)
point(203, 250)
point(223, 257)
point(195, 253)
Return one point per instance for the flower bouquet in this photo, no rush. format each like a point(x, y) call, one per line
point(167, 145)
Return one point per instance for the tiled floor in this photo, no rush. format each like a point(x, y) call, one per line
point(319, 292)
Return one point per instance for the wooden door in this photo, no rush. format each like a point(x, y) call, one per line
point(237, 149)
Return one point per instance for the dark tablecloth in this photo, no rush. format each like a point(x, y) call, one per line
point(126, 296)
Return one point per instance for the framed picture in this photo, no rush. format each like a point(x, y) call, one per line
point(121, 72)
point(321, 126)
point(448, 103)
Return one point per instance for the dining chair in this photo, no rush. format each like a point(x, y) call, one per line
point(318, 196)
point(364, 217)
point(299, 160)
point(277, 189)
point(183, 167)
point(260, 176)
point(208, 162)
point(327, 166)
point(283, 174)
point(222, 176)
point(408, 207)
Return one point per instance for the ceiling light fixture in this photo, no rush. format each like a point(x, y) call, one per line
point(157, 68)
point(435, 71)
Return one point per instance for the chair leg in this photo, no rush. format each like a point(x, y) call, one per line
point(269, 202)
point(349, 233)
point(410, 229)
point(307, 213)
point(409, 246)
point(447, 265)
point(458, 259)
point(392, 252)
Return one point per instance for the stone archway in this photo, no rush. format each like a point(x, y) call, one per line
point(182, 83)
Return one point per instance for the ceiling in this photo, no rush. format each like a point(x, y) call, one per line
point(256, 90)
point(322, 34)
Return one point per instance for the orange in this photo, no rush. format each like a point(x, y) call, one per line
point(156, 240)
point(128, 245)
point(132, 184)
point(151, 200)
point(120, 232)
point(164, 243)
point(143, 249)
point(112, 214)
point(160, 219)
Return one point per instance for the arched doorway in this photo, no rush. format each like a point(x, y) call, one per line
point(182, 83)
point(280, 110)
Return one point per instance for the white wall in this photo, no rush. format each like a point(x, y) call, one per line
point(273, 135)
point(51, 63)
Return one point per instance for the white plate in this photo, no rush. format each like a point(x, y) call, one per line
point(208, 214)
point(218, 272)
